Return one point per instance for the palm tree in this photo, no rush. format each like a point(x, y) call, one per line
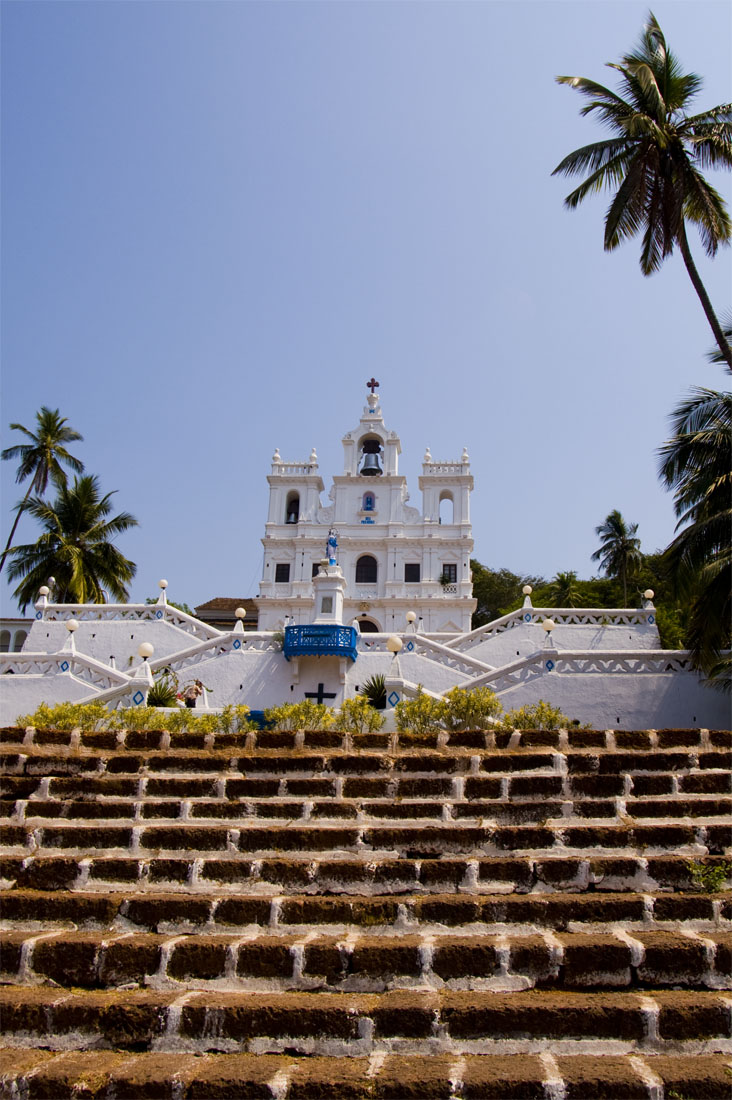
point(653, 162)
point(76, 546)
point(41, 459)
point(620, 553)
point(563, 590)
point(697, 463)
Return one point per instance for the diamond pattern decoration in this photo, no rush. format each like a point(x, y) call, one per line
point(527, 617)
point(158, 614)
point(393, 699)
point(651, 619)
point(137, 698)
point(64, 666)
point(39, 614)
point(237, 643)
point(409, 646)
point(549, 666)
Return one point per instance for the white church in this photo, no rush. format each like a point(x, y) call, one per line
point(395, 558)
point(362, 585)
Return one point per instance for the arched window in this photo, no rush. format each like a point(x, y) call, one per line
point(367, 626)
point(369, 500)
point(367, 570)
point(447, 508)
point(292, 509)
point(20, 637)
point(4, 641)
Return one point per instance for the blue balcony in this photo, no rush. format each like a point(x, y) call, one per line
point(321, 640)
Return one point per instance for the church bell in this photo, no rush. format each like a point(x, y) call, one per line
point(370, 466)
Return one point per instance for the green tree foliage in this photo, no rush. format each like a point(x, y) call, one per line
point(619, 553)
point(43, 457)
point(565, 591)
point(76, 547)
point(653, 161)
point(696, 463)
point(497, 591)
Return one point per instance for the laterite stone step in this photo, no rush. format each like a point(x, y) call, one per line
point(105, 1075)
point(369, 962)
point(323, 915)
point(360, 875)
point(199, 910)
point(353, 1024)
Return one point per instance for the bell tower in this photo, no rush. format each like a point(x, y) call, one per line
point(394, 558)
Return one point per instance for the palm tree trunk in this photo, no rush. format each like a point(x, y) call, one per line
point(6, 551)
point(699, 287)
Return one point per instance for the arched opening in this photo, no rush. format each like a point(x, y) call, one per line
point(4, 641)
point(292, 508)
point(367, 570)
point(447, 507)
point(368, 626)
point(20, 637)
point(370, 448)
point(369, 502)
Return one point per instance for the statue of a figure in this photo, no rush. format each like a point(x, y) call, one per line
point(332, 547)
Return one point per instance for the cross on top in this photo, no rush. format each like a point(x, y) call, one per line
point(373, 384)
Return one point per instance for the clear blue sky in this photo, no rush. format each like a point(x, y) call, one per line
point(219, 219)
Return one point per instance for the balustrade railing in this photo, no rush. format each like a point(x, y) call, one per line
point(108, 612)
point(584, 616)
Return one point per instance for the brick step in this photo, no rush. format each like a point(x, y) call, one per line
point(338, 739)
point(363, 1024)
point(198, 910)
point(40, 762)
point(653, 787)
point(702, 808)
point(360, 876)
point(446, 838)
point(111, 1075)
point(366, 962)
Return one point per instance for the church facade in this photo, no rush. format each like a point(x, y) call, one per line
point(396, 559)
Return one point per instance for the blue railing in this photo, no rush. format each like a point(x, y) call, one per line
point(321, 641)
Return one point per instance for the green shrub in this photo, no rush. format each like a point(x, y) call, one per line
point(709, 878)
point(540, 716)
point(420, 715)
point(300, 716)
point(374, 691)
point(359, 716)
point(470, 709)
point(164, 692)
point(234, 718)
point(66, 716)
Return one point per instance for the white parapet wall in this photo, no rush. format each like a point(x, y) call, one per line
point(600, 667)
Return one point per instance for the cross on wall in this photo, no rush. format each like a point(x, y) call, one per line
point(320, 694)
point(373, 384)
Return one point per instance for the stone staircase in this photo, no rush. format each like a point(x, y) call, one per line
point(323, 915)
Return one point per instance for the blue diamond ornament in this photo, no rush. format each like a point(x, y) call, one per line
point(393, 699)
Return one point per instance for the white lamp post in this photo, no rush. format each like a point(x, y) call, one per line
point(548, 625)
